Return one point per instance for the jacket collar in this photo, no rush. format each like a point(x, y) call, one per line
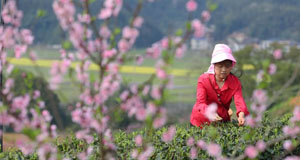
point(228, 82)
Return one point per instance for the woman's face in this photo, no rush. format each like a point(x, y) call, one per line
point(223, 69)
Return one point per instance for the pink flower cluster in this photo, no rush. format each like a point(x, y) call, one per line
point(160, 70)
point(272, 69)
point(205, 15)
point(191, 5)
point(259, 100)
point(111, 8)
point(160, 119)
point(296, 115)
point(253, 151)
point(129, 36)
point(144, 155)
point(199, 28)
point(65, 11)
point(277, 54)
point(58, 69)
point(168, 135)
point(47, 151)
point(10, 14)
point(212, 149)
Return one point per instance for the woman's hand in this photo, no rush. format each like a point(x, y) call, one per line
point(217, 117)
point(230, 112)
point(241, 118)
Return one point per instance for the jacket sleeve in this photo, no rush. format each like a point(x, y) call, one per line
point(240, 102)
point(201, 102)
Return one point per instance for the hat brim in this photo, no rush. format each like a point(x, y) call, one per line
point(222, 57)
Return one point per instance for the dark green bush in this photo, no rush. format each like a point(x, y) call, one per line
point(27, 82)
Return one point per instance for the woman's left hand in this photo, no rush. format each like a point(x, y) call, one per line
point(241, 119)
point(230, 112)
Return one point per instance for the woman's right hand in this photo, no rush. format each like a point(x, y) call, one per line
point(217, 118)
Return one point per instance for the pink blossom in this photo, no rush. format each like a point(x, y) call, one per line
point(46, 151)
point(84, 18)
point(288, 145)
point(160, 73)
point(134, 154)
point(27, 36)
point(214, 150)
point(53, 130)
point(191, 5)
point(165, 43)
point(277, 54)
point(9, 83)
point(260, 75)
point(83, 134)
point(154, 51)
point(146, 90)
point(8, 39)
point(41, 104)
point(19, 50)
point(258, 108)
point(146, 154)
point(109, 53)
point(26, 148)
point(32, 56)
point(168, 135)
point(138, 21)
point(260, 145)
point(139, 60)
point(134, 88)
point(151, 108)
point(250, 121)
point(46, 115)
point(201, 144)
point(9, 68)
point(10, 14)
point(272, 69)
point(141, 114)
point(124, 95)
point(205, 15)
point(251, 151)
point(291, 131)
point(292, 158)
point(156, 93)
point(104, 32)
point(109, 3)
point(199, 29)
point(64, 11)
point(105, 13)
point(118, 7)
point(260, 96)
point(296, 114)
point(211, 111)
point(130, 33)
point(190, 141)
point(139, 140)
point(159, 122)
point(193, 153)
point(21, 102)
point(36, 94)
point(180, 51)
point(124, 45)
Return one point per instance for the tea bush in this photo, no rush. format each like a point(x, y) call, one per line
point(232, 139)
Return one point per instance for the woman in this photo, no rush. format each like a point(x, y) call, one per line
point(218, 85)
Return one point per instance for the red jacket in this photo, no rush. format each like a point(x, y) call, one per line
point(207, 94)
